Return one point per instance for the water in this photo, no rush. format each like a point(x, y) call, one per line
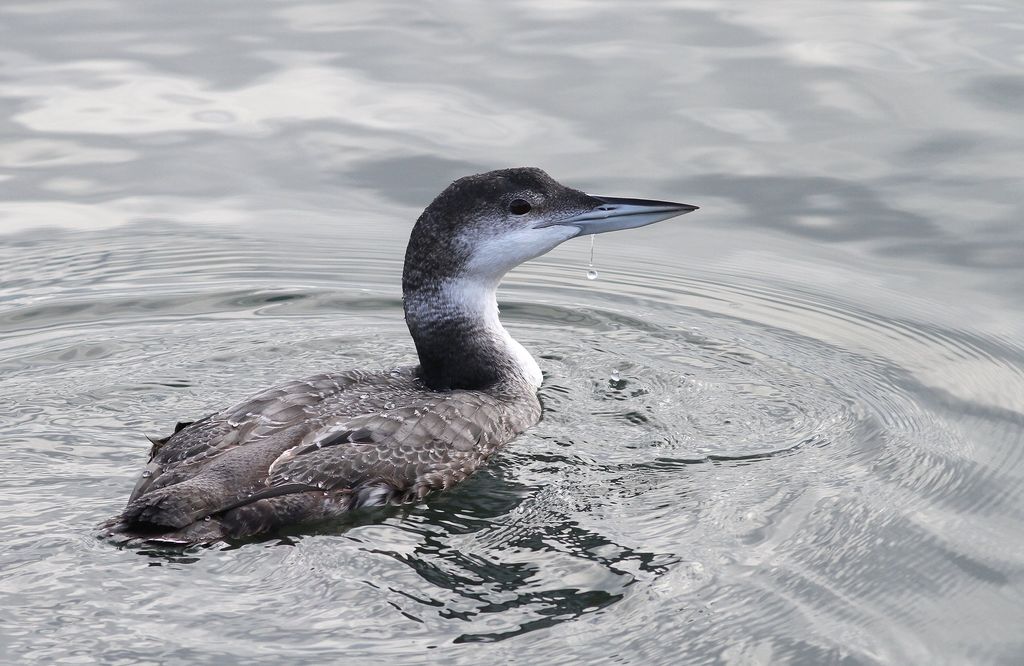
point(784, 428)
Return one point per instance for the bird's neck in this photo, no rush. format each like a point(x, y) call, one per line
point(459, 337)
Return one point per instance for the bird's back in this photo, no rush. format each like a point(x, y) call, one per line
point(316, 448)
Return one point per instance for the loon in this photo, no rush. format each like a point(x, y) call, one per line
point(314, 449)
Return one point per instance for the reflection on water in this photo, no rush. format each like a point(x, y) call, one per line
point(787, 428)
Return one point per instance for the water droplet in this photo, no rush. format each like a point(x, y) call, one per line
point(591, 273)
point(615, 375)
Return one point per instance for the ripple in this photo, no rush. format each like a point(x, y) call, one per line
point(788, 431)
point(713, 446)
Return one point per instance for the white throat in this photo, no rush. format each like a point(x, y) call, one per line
point(480, 299)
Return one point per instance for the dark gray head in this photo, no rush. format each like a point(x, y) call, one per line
point(465, 241)
point(482, 226)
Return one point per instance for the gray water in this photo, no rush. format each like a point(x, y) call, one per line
point(785, 428)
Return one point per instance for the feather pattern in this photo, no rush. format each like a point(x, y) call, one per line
point(316, 448)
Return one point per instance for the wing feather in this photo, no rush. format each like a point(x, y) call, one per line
point(414, 449)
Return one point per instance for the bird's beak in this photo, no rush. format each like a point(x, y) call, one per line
point(613, 214)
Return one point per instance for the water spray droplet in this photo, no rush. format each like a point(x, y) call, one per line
point(591, 273)
point(615, 375)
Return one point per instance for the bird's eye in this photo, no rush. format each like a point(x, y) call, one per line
point(519, 207)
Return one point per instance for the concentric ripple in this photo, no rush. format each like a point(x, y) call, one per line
point(722, 460)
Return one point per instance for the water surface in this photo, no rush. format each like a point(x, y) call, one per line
point(786, 428)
